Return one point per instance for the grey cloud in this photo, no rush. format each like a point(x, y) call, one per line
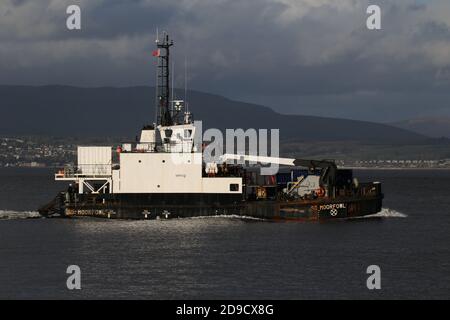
point(276, 48)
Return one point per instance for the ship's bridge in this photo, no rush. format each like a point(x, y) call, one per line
point(176, 138)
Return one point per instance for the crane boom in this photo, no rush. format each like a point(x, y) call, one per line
point(260, 159)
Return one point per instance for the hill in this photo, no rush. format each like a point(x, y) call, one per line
point(432, 127)
point(107, 111)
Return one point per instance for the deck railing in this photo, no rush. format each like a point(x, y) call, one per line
point(85, 170)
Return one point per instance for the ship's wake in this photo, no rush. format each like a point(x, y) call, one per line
point(229, 216)
point(11, 214)
point(386, 213)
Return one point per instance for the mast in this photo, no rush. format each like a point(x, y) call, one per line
point(163, 97)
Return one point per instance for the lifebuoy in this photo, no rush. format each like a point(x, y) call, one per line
point(320, 192)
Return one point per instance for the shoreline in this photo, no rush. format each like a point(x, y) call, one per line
point(390, 168)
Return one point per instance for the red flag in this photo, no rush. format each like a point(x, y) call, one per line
point(156, 53)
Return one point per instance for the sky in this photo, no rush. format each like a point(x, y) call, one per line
point(313, 57)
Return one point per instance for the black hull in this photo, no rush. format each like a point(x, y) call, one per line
point(165, 206)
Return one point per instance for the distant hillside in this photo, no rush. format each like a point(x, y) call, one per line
point(72, 111)
point(432, 127)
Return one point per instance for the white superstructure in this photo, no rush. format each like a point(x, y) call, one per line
point(164, 160)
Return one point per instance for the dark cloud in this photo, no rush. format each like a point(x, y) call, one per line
point(311, 56)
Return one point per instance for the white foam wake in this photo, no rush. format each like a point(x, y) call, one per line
point(387, 213)
point(228, 216)
point(11, 214)
point(384, 213)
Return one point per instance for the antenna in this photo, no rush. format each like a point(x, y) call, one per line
point(173, 76)
point(185, 84)
point(156, 81)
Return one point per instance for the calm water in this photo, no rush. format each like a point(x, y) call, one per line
point(226, 257)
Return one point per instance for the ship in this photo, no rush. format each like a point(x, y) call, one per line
point(164, 175)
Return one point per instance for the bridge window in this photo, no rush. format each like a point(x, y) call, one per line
point(168, 133)
point(234, 187)
point(187, 133)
